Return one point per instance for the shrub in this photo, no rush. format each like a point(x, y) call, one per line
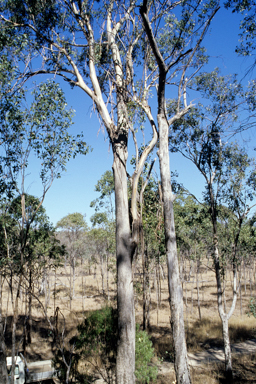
point(98, 339)
point(144, 371)
point(252, 307)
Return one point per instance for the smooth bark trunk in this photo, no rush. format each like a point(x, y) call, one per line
point(3, 368)
point(125, 364)
point(175, 289)
point(225, 316)
point(107, 264)
point(198, 292)
point(146, 291)
point(227, 349)
point(29, 331)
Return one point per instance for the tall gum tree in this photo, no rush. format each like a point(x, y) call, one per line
point(40, 129)
point(176, 54)
point(91, 45)
point(202, 137)
point(73, 227)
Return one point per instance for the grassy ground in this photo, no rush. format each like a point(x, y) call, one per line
point(201, 334)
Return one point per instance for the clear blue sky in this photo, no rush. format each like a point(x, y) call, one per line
point(75, 190)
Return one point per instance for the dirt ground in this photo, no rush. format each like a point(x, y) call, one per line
point(201, 333)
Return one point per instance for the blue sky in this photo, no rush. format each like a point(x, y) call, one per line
point(75, 190)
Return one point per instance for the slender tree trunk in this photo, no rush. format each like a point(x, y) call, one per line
point(192, 291)
point(244, 278)
point(175, 289)
point(102, 273)
point(29, 338)
point(70, 286)
point(254, 275)
point(250, 274)
point(227, 349)
point(74, 277)
point(14, 326)
point(160, 285)
point(225, 317)
point(3, 368)
point(125, 363)
point(54, 292)
point(107, 263)
point(198, 291)
point(145, 268)
point(148, 293)
point(240, 292)
point(142, 244)
point(157, 289)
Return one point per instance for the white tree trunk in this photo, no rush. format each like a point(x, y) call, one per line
point(175, 289)
point(125, 364)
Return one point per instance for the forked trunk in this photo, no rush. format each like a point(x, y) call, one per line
point(175, 289)
point(225, 316)
point(125, 364)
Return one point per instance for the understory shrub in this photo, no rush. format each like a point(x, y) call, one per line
point(252, 307)
point(97, 343)
point(145, 372)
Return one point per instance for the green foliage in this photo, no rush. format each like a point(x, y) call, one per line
point(153, 220)
point(73, 222)
point(252, 307)
point(248, 24)
point(193, 226)
point(105, 186)
point(34, 211)
point(33, 236)
point(98, 333)
point(102, 220)
point(144, 371)
point(39, 129)
point(98, 338)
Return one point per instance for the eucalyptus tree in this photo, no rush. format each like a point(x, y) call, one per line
point(229, 173)
point(177, 57)
point(103, 51)
point(246, 8)
point(193, 229)
point(151, 245)
point(42, 252)
point(105, 202)
point(92, 47)
point(73, 227)
point(103, 231)
point(38, 128)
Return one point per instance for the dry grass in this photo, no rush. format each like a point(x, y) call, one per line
point(244, 372)
point(201, 334)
